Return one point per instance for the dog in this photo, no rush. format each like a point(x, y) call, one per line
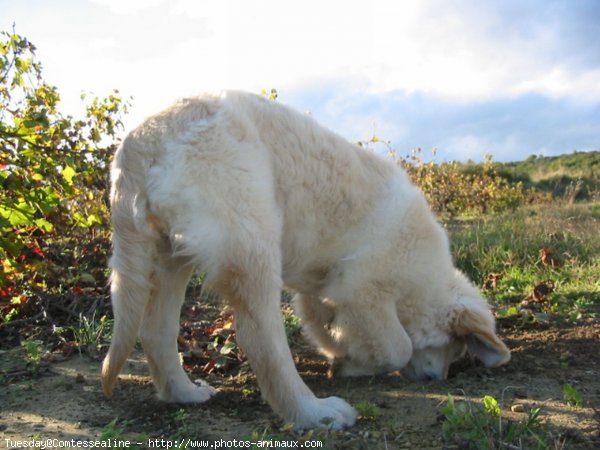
point(259, 196)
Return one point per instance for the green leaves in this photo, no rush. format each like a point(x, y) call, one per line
point(68, 173)
point(473, 425)
point(491, 406)
point(572, 396)
point(53, 167)
point(456, 190)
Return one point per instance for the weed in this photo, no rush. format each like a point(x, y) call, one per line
point(368, 410)
point(291, 323)
point(248, 391)
point(285, 437)
point(115, 430)
point(181, 418)
point(90, 334)
point(34, 350)
point(572, 396)
point(481, 426)
point(492, 406)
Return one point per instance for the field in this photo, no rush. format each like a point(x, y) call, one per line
point(539, 267)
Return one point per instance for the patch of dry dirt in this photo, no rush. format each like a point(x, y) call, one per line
point(65, 401)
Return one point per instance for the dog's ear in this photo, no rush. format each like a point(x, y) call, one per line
point(476, 324)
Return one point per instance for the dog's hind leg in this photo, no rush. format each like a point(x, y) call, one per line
point(159, 331)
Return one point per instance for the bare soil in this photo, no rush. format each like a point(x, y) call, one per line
point(63, 399)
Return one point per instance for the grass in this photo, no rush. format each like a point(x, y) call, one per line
point(510, 245)
point(482, 426)
point(90, 334)
point(572, 396)
point(115, 431)
point(368, 410)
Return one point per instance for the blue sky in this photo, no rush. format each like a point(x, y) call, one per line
point(507, 77)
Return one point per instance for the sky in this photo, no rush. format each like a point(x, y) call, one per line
point(468, 78)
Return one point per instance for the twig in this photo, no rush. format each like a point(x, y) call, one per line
point(62, 308)
point(13, 323)
point(510, 446)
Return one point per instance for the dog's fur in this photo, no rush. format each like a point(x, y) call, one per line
point(258, 196)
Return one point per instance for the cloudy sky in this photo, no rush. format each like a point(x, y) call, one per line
point(467, 77)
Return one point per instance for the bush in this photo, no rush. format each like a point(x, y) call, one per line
point(456, 189)
point(53, 169)
point(453, 190)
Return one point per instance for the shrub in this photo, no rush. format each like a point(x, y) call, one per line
point(53, 167)
point(453, 190)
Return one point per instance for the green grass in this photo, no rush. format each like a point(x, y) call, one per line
point(90, 334)
point(572, 396)
point(115, 431)
point(510, 244)
point(368, 410)
point(482, 426)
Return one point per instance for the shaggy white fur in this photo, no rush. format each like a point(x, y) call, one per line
point(258, 196)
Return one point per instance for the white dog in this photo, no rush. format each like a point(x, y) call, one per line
point(258, 196)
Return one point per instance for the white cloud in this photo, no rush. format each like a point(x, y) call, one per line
point(455, 50)
point(452, 52)
point(104, 43)
point(460, 52)
point(559, 82)
point(277, 43)
point(388, 56)
point(127, 6)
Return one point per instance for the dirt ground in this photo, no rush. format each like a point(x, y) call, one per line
point(65, 401)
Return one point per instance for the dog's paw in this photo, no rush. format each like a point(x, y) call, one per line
point(197, 392)
point(331, 412)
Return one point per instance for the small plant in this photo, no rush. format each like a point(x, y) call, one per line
point(292, 324)
point(90, 334)
point(368, 410)
point(181, 419)
point(481, 426)
point(285, 437)
point(34, 351)
point(572, 396)
point(209, 347)
point(271, 94)
point(492, 406)
point(114, 430)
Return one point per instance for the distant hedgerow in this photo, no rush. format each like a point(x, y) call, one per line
point(453, 190)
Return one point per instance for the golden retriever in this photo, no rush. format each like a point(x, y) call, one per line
point(258, 196)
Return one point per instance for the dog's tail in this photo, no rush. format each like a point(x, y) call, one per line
point(134, 245)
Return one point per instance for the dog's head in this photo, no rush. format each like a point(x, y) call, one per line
point(469, 326)
point(422, 341)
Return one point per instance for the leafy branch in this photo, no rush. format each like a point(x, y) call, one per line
point(53, 167)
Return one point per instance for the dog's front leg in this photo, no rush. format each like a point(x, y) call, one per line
point(261, 335)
